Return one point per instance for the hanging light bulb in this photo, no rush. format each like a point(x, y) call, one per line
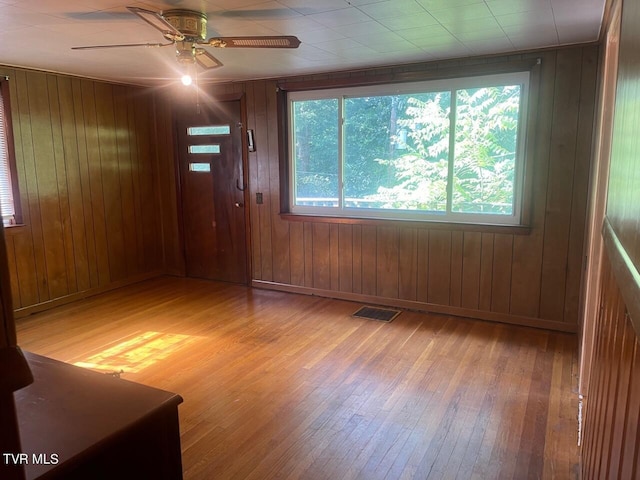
point(185, 53)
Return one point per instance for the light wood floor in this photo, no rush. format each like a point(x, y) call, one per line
point(287, 386)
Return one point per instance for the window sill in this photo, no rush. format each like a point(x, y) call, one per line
point(14, 229)
point(426, 224)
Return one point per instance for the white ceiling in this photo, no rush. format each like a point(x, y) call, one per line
point(335, 34)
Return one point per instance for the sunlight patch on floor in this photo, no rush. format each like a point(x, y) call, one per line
point(136, 354)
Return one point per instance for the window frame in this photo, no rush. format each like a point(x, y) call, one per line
point(11, 156)
point(470, 76)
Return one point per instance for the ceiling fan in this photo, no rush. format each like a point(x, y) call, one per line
point(187, 30)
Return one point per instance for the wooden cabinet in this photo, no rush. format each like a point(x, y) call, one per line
point(79, 424)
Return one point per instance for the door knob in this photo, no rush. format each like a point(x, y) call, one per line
point(239, 204)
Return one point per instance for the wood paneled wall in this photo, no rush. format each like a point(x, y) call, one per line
point(623, 199)
point(97, 176)
point(529, 278)
point(87, 169)
point(624, 182)
point(611, 445)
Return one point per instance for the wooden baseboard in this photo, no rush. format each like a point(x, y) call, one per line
point(56, 302)
point(353, 297)
point(422, 306)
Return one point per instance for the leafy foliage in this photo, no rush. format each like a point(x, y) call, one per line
point(485, 152)
point(316, 148)
point(421, 173)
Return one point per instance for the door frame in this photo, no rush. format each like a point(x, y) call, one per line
point(197, 100)
point(603, 130)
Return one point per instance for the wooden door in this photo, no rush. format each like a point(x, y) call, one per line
point(212, 183)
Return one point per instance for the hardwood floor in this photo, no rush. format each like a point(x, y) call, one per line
point(287, 386)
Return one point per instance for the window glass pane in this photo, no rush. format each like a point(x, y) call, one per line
point(6, 189)
point(200, 167)
point(315, 152)
point(209, 130)
point(396, 151)
point(486, 143)
point(204, 148)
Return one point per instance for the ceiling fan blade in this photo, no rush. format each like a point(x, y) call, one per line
point(278, 41)
point(158, 22)
point(121, 45)
point(206, 60)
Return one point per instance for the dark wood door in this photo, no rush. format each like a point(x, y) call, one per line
point(211, 178)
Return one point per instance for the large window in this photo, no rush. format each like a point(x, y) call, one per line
point(442, 150)
point(8, 182)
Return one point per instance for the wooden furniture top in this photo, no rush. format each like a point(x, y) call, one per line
point(72, 412)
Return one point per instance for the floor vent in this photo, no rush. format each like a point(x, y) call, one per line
point(375, 313)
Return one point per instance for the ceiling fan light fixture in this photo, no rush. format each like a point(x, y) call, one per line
point(192, 24)
point(185, 53)
point(186, 80)
point(187, 30)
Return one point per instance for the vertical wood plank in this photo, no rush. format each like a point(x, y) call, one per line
point(423, 266)
point(85, 180)
point(308, 254)
point(334, 251)
point(125, 180)
point(137, 174)
point(59, 157)
point(145, 130)
point(262, 134)
point(170, 203)
point(109, 163)
point(13, 271)
point(357, 259)
point(457, 264)
point(30, 278)
point(95, 181)
point(54, 273)
point(387, 262)
point(628, 466)
point(369, 267)
point(486, 272)
point(297, 252)
point(321, 256)
point(562, 155)
point(527, 249)
point(345, 258)
point(280, 250)
point(280, 229)
point(439, 266)
point(624, 381)
point(69, 134)
point(25, 266)
point(408, 263)
point(501, 277)
point(254, 186)
point(581, 185)
point(472, 250)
